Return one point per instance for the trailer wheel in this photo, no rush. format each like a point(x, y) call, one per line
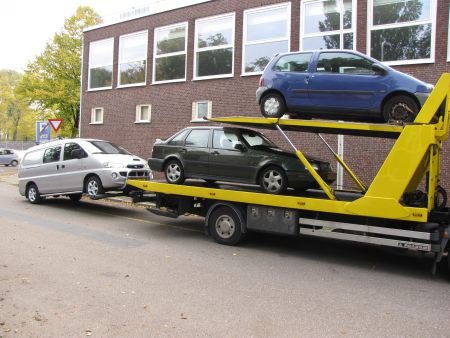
point(225, 226)
point(174, 172)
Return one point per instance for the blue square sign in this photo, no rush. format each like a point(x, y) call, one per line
point(43, 131)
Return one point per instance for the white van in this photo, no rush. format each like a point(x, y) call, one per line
point(71, 167)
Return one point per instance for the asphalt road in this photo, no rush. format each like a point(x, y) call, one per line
point(110, 269)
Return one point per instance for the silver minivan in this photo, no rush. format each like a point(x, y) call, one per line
point(71, 167)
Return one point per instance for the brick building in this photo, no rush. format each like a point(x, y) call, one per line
point(147, 77)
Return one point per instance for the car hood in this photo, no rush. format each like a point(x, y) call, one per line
point(279, 151)
point(119, 158)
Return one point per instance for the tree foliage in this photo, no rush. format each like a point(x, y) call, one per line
point(52, 80)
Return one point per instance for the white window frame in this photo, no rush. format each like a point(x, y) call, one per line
point(341, 30)
point(431, 21)
point(139, 113)
point(205, 49)
point(93, 115)
point(155, 41)
point(195, 105)
point(244, 37)
point(108, 40)
point(122, 37)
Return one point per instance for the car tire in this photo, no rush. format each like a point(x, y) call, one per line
point(225, 226)
point(33, 195)
point(273, 106)
point(400, 108)
point(174, 172)
point(93, 187)
point(273, 180)
point(14, 163)
point(75, 197)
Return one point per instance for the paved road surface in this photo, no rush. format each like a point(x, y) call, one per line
point(109, 269)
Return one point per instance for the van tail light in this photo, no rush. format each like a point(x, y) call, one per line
point(261, 81)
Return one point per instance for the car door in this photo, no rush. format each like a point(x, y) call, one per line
point(344, 82)
point(225, 160)
point(3, 157)
point(49, 180)
point(291, 76)
point(195, 153)
point(72, 169)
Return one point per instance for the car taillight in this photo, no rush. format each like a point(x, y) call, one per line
point(261, 81)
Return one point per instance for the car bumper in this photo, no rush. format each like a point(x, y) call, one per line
point(303, 180)
point(156, 164)
point(117, 178)
point(422, 97)
point(259, 93)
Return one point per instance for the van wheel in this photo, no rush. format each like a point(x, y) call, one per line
point(272, 106)
point(33, 194)
point(14, 163)
point(400, 108)
point(93, 187)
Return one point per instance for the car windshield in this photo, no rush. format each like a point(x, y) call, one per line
point(104, 147)
point(255, 139)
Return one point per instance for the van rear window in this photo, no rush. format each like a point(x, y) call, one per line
point(33, 158)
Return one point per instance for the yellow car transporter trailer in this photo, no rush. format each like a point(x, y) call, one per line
point(390, 211)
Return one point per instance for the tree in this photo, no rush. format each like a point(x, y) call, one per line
point(52, 80)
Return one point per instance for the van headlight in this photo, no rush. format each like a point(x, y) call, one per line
point(146, 166)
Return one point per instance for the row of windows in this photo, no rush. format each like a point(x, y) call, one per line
point(399, 31)
point(200, 110)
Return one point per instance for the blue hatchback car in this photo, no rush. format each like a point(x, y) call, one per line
point(338, 84)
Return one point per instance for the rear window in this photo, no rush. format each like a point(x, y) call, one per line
point(33, 158)
point(294, 63)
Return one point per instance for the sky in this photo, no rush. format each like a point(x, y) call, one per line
point(27, 25)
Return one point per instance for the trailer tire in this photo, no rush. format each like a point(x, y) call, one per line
point(225, 226)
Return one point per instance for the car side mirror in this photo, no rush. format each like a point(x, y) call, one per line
point(379, 69)
point(239, 146)
point(78, 153)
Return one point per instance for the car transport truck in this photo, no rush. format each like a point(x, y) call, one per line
point(403, 207)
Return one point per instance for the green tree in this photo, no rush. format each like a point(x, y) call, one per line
point(52, 80)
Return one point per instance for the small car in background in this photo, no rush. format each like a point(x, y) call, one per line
point(9, 157)
point(338, 84)
point(233, 155)
point(71, 167)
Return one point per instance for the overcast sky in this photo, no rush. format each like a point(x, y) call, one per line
point(26, 25)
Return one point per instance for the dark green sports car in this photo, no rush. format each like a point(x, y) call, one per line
point(233, 155)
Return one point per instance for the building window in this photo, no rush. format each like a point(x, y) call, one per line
point(402, 31)
point(214, 47)
point(266, 32)
point(201, 109)
point(101, 64)
point(143, 113)
point(328, 24)
point(169, 59)
point(132, 59)
point(97, 115)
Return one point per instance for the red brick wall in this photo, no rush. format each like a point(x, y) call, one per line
point(172, 103)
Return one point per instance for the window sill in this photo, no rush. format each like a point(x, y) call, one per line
point(227, 76)
point(201, 120)
point(140, 84)
point(141, 122)
point(95, 123)
point(98, 89)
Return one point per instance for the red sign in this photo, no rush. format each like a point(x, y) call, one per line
point(56, 124)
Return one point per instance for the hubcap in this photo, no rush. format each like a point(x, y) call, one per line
point(401, 112)
point(32, 194)
point(272, 181)
point(92, 188)
point(225, 226)
point(271, 106)
point(173, 172)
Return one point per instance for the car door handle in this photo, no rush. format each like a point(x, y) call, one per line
point(57, 167)
point(183, 151)
point(308, 78)
point(215, 153)
point(63, 166)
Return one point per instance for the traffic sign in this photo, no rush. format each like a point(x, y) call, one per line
point(42, 131)
point(56, 124)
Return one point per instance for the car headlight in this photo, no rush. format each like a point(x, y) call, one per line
point(315, 166)
point(112, 165)
point(146, 166)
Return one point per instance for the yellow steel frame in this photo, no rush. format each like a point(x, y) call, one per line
point(415, 153)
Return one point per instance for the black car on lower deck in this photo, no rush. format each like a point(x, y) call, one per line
point(233, 155)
